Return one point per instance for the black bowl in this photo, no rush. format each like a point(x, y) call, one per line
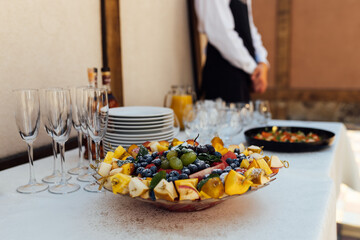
point(326, 139)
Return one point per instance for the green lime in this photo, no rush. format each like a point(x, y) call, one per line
point(171, 154)
point(165, 164)
point(176, 163)
point(188, 158)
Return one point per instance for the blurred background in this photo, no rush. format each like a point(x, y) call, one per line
point(313, 46)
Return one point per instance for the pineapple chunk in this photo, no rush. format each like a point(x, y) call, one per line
point(119, 152)
point(120, 183)
point(109, 157)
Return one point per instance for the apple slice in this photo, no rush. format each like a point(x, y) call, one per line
point(147, 183)
point(275, 162)
point(137, 187)
point(254, 149)
point(104, 169)
point(165, 190)
point(187, 191)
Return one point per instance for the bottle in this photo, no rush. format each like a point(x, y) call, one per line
point(92, 78)
point(106, 81)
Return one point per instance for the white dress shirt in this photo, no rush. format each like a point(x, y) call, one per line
point(217, 22)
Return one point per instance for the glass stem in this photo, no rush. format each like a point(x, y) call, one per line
point(31, 162)
point(90, 153)
point(54, 149)
point(62, 156)
point(97, 152)
point(81, 161)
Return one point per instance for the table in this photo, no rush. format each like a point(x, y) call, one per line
point(300, 204)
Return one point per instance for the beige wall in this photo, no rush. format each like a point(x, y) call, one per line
point(43, 43)
point(325, 46)
point(155, 49)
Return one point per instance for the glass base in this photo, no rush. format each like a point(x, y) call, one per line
point(32, 188)
point(55, 178)
point(64, 188)
point(77, 170)
point(93, 187)
point(87, 177)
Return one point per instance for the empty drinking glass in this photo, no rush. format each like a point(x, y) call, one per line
point(80, 168)
point(96, 112)
point(56, 175)
point(58, 121)
point(27, 116)
point(262, 113)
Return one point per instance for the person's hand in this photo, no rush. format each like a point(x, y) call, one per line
point(259, 78)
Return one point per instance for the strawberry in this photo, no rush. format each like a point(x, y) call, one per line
point(227, 155)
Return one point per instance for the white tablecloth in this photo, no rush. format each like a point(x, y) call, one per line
point(300, 204)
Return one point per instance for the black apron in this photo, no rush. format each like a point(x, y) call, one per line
point(220, 78)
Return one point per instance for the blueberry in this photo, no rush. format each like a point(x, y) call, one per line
point(146, 173)
point(183, 176)
point(237, 151)
point(192, 147)
point(210, 149)
point(201, 149)
point(167, 176)
point(200, 164)
point(153, 169)
point(143, 164)
point(229, 161)
point(217, 171)
point(237, 162)
point(207, 165)
point(139, 170)
point(165, 153)
point(170, 179)
point(149, 160)
point(156, 161)
point(242, 156)
point(154, 155)
point(196, 162)
point(174, 174)
point(186, 171)
point(141, 159)
point(218, 154)
point(193, 168)
point(206, 175)
point(227, 169)
point(130, 159)
point(233, 166)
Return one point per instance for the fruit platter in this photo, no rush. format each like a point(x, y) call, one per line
point(184, 175)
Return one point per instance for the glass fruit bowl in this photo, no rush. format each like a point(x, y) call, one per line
point(191, 206)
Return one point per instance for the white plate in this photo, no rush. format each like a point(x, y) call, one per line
point(139, 137)
point(141, 119)
point(142, 124)
point(133, 135)
point(127, 143)
point(138, 132)
point(140, 112)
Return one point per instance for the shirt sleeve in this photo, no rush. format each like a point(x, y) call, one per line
point(216, 21)
point(260, 51)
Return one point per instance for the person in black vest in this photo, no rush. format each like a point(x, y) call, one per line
point(236, 61)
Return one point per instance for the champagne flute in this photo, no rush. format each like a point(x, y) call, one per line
point(97, 112)
point(88, 175)
point(58, 111)
point(55, 176)
point(27, 115)
point(77, 125)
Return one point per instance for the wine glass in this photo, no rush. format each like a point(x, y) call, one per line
point(27, 116)
point(262, 112)
point(80, 168)
point(96, 112)
point(58, 121)
point(230, 124)
point(55, 176)
point(87, 176)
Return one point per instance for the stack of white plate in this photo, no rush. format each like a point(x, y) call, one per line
point(136, 125)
